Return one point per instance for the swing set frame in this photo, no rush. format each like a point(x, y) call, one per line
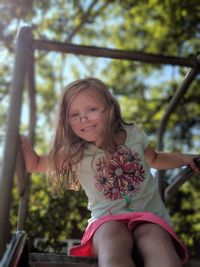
point(24, 73)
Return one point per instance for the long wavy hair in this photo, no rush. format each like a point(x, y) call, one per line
point(67, 148)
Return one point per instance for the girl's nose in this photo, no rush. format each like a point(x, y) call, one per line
point(83, 117)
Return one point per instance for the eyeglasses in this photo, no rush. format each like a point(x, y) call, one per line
point(91, 115)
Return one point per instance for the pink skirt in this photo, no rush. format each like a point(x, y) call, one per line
point(131, 219)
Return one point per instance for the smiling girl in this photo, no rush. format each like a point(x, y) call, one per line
point(110, 159)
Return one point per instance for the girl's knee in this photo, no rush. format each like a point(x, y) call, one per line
point(151, 238)
point(150, 230)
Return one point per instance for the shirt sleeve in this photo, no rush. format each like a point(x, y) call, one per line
point(145, 139)
point(142, 136)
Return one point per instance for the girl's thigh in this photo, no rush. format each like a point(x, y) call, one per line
point(154, 243)
point(112, 237)
point(151, 233)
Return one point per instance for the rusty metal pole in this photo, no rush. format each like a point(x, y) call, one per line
point(23, 48)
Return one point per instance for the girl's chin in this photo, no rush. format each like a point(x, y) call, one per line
point(90, 140)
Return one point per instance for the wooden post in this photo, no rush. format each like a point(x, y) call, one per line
point(23, 49)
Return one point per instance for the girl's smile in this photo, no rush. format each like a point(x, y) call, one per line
point(89, 128)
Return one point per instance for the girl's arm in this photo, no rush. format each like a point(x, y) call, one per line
point(164, 160)
point(33, 162)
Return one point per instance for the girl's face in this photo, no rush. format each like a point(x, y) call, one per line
point(86, 115)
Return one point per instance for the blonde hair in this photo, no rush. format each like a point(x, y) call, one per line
point(68, 146)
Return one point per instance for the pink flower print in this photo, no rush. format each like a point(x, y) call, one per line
point(138, 174)
point(129, 158)
point(119, 166)
point(130, 155)
point(101, 164)
point(131, 190)
point(121, 175)
point(133, 158)
point(116, 167)
point(117, 171)
point(121, 150)
point(104, 181)
point(113, 194)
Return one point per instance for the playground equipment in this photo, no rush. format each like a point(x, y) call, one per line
point(17, 251)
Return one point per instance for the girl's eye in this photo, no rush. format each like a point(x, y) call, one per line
point(75, 115)
point(93, 109)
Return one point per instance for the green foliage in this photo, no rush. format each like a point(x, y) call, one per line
point(169, 27)
point(52, 219)
point(188, 221)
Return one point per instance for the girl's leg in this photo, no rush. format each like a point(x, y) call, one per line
point(155, 246)
point(113, 244)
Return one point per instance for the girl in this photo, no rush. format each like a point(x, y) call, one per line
point(111, 159)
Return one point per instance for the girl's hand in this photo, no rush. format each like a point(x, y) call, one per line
point(24, 141)
point(193, 161)
point(33, 162)
point(30, 156)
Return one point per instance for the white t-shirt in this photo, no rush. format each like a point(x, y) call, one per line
point(123, 183)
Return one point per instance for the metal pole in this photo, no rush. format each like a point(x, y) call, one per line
point(23, 48)
point(171, 108)
point(94, 51)
point(23, 176)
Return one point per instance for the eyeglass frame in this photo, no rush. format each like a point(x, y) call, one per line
point(86, 116)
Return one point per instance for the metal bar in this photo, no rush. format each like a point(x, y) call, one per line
point(171, 108)
point(174, 103)
point(16, 250)
point(114, 53)
point(23, 48)
point(32, 98)
point(23, 176)
point(22, 187)
point(179, 180)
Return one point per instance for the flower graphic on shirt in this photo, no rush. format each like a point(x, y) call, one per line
point(128, 154)
point(113, 193)
point(131, 190)
point(121, 175)
point(105, 181)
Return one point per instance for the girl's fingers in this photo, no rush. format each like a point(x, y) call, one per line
point(196, 162)
point(24, 140)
